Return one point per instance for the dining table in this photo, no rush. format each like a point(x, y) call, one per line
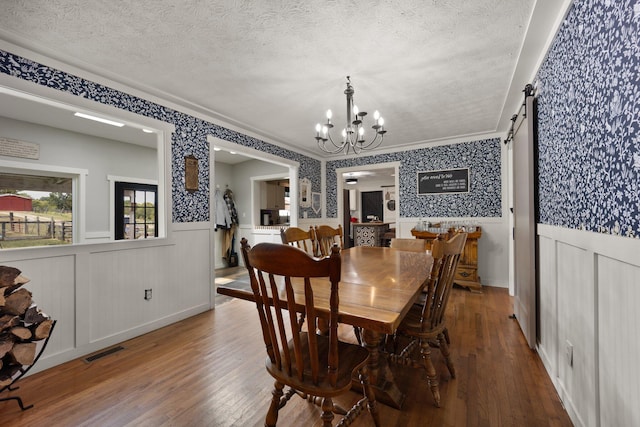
point(378, 286)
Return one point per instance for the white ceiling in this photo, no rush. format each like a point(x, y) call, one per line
point(435, 69)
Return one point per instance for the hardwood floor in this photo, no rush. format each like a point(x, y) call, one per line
point(232, 277)
point(209, 371)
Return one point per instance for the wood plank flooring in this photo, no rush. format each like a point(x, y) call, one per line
point(209, 371)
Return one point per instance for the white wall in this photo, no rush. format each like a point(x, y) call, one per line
point(241, 177)
point(589, 292)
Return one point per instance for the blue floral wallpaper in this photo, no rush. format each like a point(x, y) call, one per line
point(190, 136)
point(481, 157)
point(589, 113)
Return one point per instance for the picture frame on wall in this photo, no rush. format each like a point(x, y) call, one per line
point(305, 193)
point(315, 202)
point(450, 181)
point(191, 173)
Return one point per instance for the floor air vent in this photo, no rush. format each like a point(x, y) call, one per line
point(103, 353)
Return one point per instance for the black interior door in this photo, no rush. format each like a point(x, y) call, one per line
point(372, 205)
point(346, 219)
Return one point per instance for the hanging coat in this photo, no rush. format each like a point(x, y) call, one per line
point(230, 230)
point(223, 218)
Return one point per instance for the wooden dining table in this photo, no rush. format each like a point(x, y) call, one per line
point(378, 286)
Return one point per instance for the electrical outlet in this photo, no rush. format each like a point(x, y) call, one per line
point(569, 353)
point(147, 294)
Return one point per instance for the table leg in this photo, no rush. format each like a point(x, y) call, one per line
point(380, 374)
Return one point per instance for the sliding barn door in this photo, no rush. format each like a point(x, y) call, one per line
point(524, 306)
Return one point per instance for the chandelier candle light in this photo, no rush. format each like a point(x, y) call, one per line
point(353, 134)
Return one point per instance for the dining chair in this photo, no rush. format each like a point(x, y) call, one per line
point(305, 240)
point(412, 245)
point(425, 325)
point(419, 245)
point(315, 367)
point(327, 237)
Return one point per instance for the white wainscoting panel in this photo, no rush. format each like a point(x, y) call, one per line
point(96, 291)
point(589, 293)
point(619, 341)
point(576, 325)
point(548, 310)
point(117, 283)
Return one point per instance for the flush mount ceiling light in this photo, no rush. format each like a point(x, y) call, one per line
point(99, 119)
point(351, 180)
point(353, 138)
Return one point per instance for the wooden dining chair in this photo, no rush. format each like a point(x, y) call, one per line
point(305, 240)
point(412, 245)
point(326, 237)
point(425, 323)
point(315, 367)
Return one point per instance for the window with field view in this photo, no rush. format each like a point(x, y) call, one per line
point(136, 211)
point(35, 210)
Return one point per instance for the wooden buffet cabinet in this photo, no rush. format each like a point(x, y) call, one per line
point(467, 271)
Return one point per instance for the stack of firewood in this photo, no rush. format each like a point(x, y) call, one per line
point(22, 324)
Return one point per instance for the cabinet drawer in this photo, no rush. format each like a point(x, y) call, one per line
point(467, 273)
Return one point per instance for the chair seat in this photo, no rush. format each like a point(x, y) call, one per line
point(352, 358)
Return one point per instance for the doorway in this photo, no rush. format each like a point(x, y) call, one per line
point(382, 177)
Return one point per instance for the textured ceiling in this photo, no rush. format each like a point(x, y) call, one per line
point(435, 69)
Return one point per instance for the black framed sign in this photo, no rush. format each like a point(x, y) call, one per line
point(443, 181)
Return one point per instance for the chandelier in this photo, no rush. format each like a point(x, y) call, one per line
point(353, 138)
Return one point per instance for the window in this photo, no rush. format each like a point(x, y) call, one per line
point(136, 211)
point(35, 210)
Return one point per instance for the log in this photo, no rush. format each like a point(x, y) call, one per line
point(42, 330)
point(21, 332)
point(18, 302)
point(22, 324)
point(18, 283)
point(6, 344)
point(23, 353)
point(34, 315)
point(6, 374)
point(11, 279)
point(8, 275)
point(8, 321)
